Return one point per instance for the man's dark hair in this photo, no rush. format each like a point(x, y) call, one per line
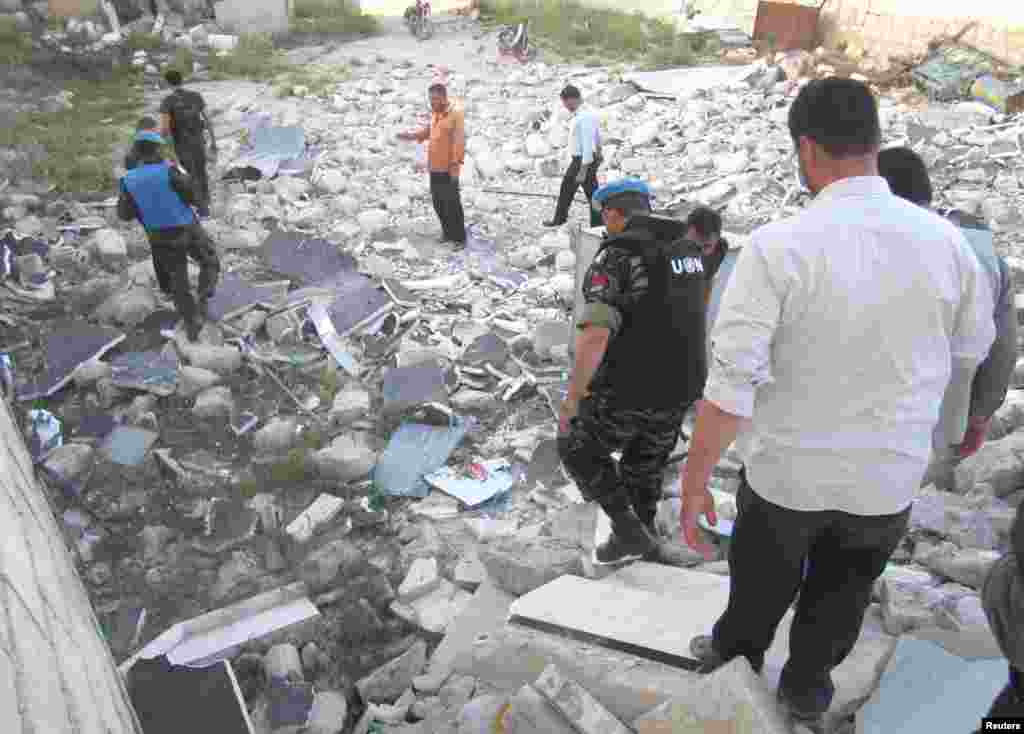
point(145, 123)
point(840, 115)
point(629, 203)
point(907, 175)
point(438, 89)
point(571, 92)
point(705, 220)
point(173, 77)
point(147, 150)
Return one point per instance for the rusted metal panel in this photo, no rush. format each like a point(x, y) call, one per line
point(792, 25)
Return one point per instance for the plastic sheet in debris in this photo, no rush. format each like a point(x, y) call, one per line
point(308, 260)
point(408, 387)
point(44, 433)
point(153, 372)
point(7, 375)
point(128, 445)
point(330, 339)
point(69, 345)
point(925, 688)
point(236, 294)
point(415, 450)
point(475, 484)
point(272, 148)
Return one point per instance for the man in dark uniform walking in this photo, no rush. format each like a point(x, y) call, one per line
point(640, 363)
point(158, 195)
point(183, 118)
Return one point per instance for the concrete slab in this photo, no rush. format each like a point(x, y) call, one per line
point(585, 712)
point(485, 614)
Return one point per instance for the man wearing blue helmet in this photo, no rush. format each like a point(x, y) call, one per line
point(640, 363)
point(159, 195)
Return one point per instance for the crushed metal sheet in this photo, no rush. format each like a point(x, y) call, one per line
point(154, 372)
point(68, 346)
point(408, 387)
point(236, 294)
point(307, 260)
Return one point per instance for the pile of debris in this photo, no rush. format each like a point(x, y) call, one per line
point(368, 419)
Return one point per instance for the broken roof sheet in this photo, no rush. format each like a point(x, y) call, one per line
point(309, 260)
point(68, 346)
point(680, 82)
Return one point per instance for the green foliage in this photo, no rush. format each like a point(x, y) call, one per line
point(331, 16)
point(138, 41)
point(576, 31)
point(293, 469)
point(15, 45)
point(318, 80)
point(77, 142)
point(254, 58)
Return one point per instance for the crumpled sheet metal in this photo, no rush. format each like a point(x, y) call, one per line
point(414, 451)
point(67, 347)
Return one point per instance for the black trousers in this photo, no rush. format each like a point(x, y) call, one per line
point(192, 156)
point(646, 437)
point(569, 187)
point(1009, 704)
point(171, 251)
point(444, 190)
point(845, 554)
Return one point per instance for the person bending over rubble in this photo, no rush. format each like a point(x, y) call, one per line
point(831, 353)
point(908, 178)
point(158, 195)
point(704, 226)
point(640, 364)
point(1002, 596)
point(446, 154)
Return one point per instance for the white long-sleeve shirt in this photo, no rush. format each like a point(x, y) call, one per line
point(836, 336)
point(584, 135)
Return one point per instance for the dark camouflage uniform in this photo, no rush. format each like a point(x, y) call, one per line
point(616, 280)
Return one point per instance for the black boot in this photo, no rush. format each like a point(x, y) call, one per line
point(629, 540)
point(647, 516)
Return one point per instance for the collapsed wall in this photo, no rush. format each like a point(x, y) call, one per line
point(56, 672)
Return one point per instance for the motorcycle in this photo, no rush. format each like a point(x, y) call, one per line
point(417, 18)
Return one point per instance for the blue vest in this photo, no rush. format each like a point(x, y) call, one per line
point(159, 205)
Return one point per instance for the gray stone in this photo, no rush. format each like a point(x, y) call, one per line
point(193, 380)
point(312, 658)
point(436, 610)
point(576, 704)
point(348, 458)
point(70, 462)
point(222, 360)
point(457, 692)
point(283, 661)
point(154, 539)
point(966, 566)
point(322, 566)
point(530, 712)
point(108, 246)
point(520, 566)
point(469, 401)
point(389, 681)
point(430, 682)
point(278, 436)
point(129, 308)
point(996, 469)
point(214, 402)
point(732, 699)
point(88, 373)
point(469, 572)
point(236, 577)
point(328, 714)
point(483, 615)
point(421, 579)
point(350, 404)
point(332, 182)
point(373, 221)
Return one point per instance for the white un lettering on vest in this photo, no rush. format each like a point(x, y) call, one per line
point(689, 265)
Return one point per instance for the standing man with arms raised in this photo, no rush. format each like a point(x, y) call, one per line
point(446, 154)
point(831, 354)
point(183, 118)
point(584, 152)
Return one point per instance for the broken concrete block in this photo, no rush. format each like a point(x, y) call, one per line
point(435, 611)
point(484, 614)
point(905, 609)
point(348, 458)
point(321, 566)
point(520, 566)
point(469, 572)
point(108, 246)
point(582, 710)
point(733, 699)
point(966, 566)
point(995, 469)
point(319, 514)
point(328, 714)
point(222, 360)
point(389, 681)
point(350, 404)
point(283, 661)
point(422, 579)
point(214, 402)
point(278, 436)
point(457, 691)
point(193, 380)
point(430, 682)
point(529, 712)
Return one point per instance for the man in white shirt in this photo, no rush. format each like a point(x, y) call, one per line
point(584, 152)
point(831, 354)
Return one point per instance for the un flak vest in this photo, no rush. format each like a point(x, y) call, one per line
point(159, 205)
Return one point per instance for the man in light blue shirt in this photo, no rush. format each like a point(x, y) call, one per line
point(585, 152)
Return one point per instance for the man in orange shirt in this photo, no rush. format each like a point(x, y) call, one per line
point(446, 153)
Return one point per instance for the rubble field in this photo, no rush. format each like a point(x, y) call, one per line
point(369, 414)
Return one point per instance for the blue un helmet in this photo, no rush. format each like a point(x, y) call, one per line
point(623, 187)
point(149, 136)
